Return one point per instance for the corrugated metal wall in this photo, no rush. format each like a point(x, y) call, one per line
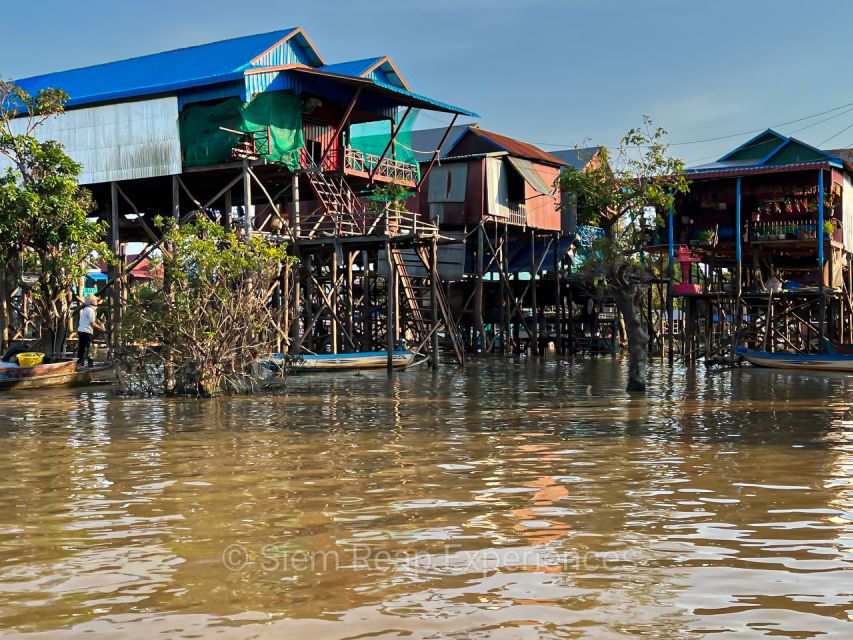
point(271, 81)
point(285, 53)
point(119, 141)
point(847, 211)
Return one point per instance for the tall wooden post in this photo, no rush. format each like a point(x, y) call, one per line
point(115, 293)
point(433, 299)
point(226, 210)
point(820, 256)
point(670, 274)
point(390, 304)
point(247, 198)
point(558, 341)
point(534, 300)
point(295, 329)
point(333, 297)
point(285, 302)
point(479, 321)
point(367, 304)
point(4, 311)
point(349, 302)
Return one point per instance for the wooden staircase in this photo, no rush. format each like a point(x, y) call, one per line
point(417, 295)
point(341, 213)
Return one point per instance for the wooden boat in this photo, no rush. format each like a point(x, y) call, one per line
point(804, 361)
point(64, 373)
point(341, 361)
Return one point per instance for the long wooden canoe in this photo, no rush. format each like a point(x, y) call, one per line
point(341, 361)
point(55, 374)
point(803, 361)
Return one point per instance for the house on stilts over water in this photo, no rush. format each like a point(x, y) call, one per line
point(760, 249)
point(262, 134)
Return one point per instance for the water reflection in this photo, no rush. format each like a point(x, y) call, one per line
point(515, 499)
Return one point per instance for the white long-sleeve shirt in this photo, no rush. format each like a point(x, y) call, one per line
point(87, 319)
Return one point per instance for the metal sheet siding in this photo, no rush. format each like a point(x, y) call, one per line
point(285, 53)
point(847, 211)
point(447, 183)
point(213, 92)
point(119, 142)
point(543, 210)
point(256, 83)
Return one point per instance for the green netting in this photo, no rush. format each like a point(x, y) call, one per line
point(372, 137)
point(204, 143)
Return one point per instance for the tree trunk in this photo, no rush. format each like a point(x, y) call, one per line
point(628, 302)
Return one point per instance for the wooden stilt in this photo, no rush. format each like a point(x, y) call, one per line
point(534, 302)
point(390, 303)
point(479, 321)
point(247, 199)
point(115, 294)
point(433, 301)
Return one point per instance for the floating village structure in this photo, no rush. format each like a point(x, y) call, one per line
point(262, 134)
point(759, 251)
point(497, 195)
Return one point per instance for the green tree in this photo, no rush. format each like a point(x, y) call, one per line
point(44, 229)
point(624, 195)
point(198, 331)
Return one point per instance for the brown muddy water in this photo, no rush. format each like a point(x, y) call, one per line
point(515, 500)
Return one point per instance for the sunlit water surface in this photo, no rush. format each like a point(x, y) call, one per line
point(512, 500)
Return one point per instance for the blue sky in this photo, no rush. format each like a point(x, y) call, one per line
point(561, 72)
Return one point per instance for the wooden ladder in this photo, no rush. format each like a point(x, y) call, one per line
point(341, 212)
point(417, 294)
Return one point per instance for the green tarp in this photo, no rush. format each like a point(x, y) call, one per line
point(204, 143)
point(372, 137)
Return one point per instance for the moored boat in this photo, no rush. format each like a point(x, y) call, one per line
point(64, 373)
point(803, 361)
point(339, 361)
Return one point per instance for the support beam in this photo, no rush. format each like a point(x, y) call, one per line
point(389, 317)
point(340, 127)
point(437, 153)
point(247, 199)
point(479, 321)
point(534, 301)
point(391, 140)
point(115, 315)
point(433, 299)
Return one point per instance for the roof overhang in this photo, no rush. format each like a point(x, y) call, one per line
point(302, 40)
point(728, 172)
point(400, 96)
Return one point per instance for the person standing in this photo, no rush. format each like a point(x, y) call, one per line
point(86, 328)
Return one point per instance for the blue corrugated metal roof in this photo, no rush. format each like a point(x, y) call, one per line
point(352, 68)
point(771, 139)
point(159, 72)
point(442, 105)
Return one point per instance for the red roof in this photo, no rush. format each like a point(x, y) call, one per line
point(517, 147)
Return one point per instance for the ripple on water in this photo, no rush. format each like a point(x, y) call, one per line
point(512, 500)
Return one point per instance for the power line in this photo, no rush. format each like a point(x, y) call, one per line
point(834, 135)
point(742, 133)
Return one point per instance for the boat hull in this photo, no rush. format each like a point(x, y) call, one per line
point(345, 361)
point(801, 361)
point(54, 375)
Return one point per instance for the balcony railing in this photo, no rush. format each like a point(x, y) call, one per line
point(513, 213)
point(389, 170)
point(792, 230)
point(250, 145)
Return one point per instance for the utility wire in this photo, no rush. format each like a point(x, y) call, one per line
point(742, 133)
point(835, 135)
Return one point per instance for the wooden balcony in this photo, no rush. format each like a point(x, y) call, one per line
point(364, 165)
point(515, 213)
